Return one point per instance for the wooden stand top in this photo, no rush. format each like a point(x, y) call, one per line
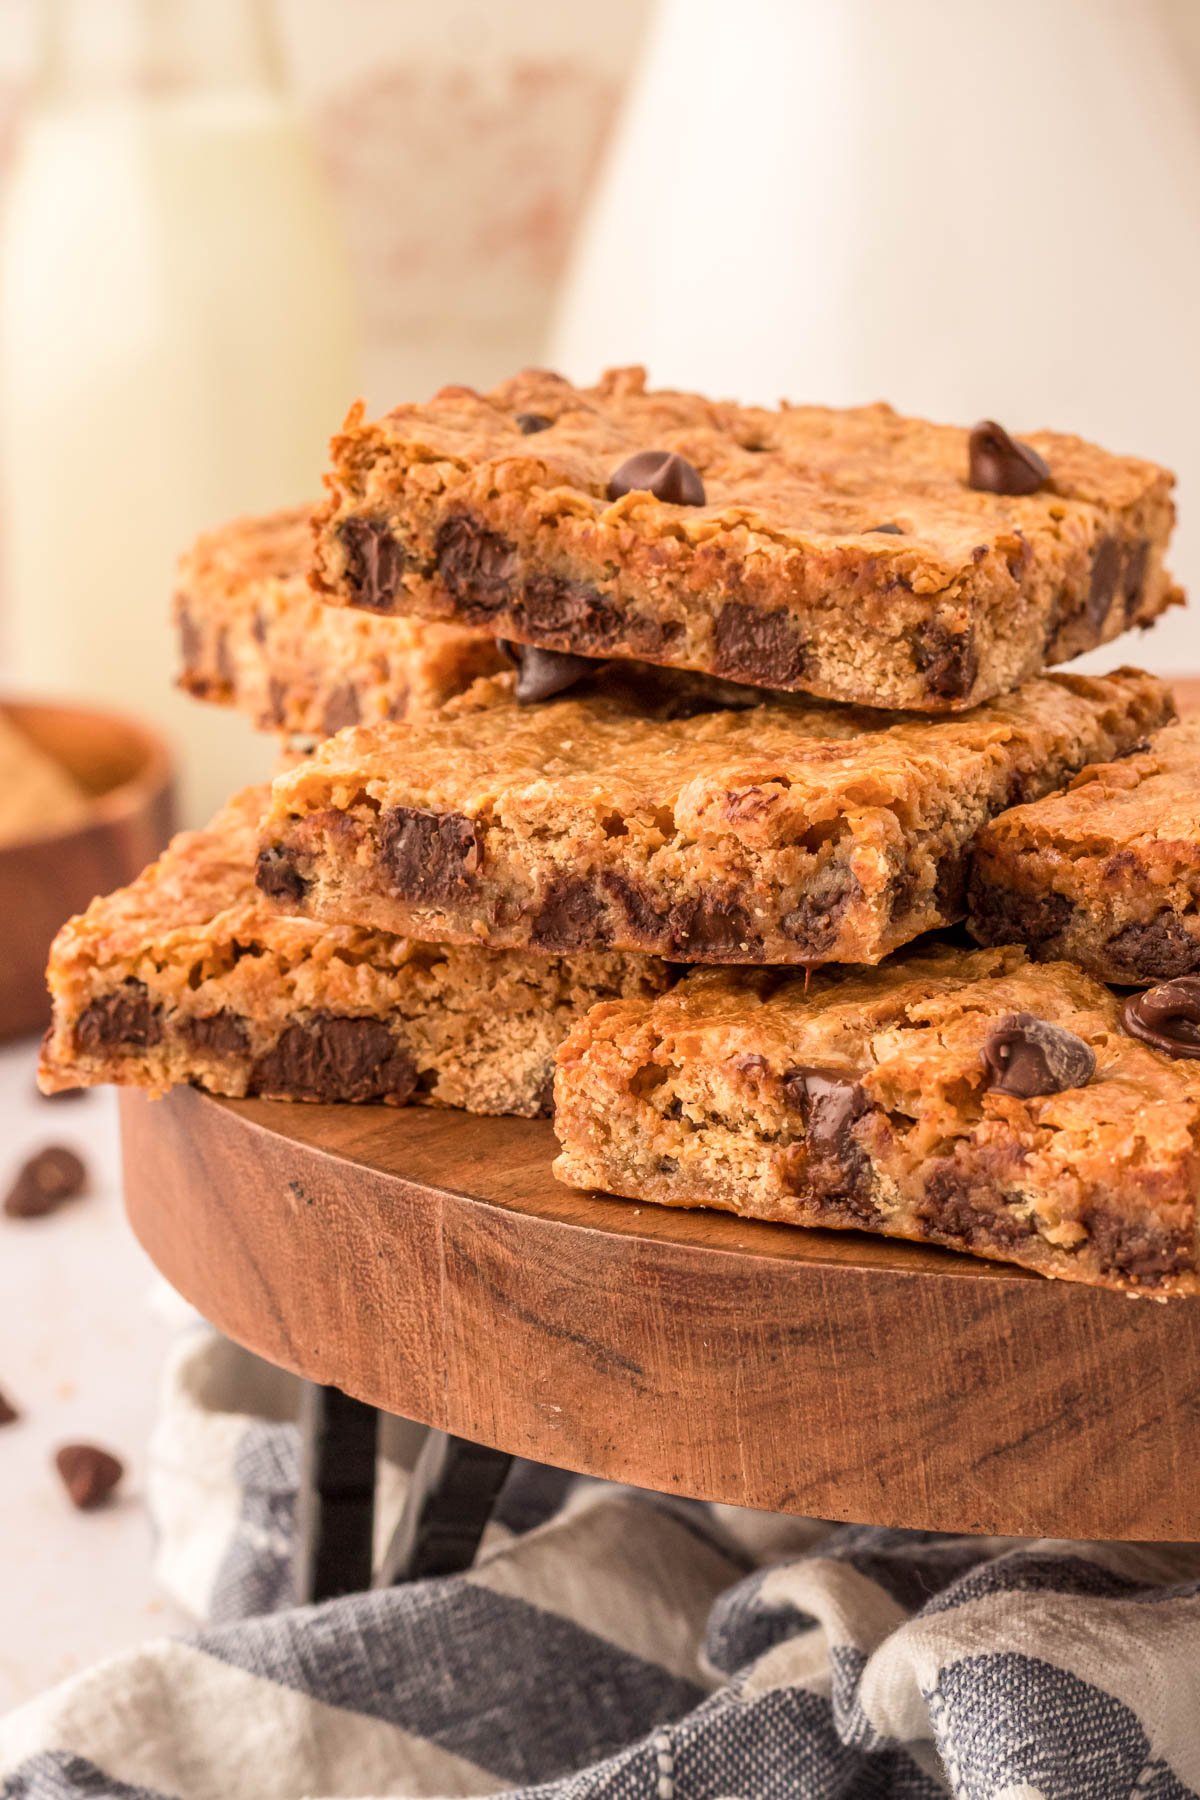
point(429, 1263)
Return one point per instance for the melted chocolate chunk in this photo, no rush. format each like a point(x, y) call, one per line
point(999, 464)
point(1140, 1249)
point(1106, 571)
point(552, 606)
point(1135, 575)
point(1158, 950)
point(572, 916)
point(276, 875)
point(478, 566)
point(543, 673)
point(545, 1108)
point(528, 424)
point(752, 645)
point(51, 1176)
point(125, 1017)
point(88, 1473)
point(341, 709)
point(327, 1057)
point(636, 903)
point(220, 1034)
point(1167, 1017)
point(1001, 916)
point(713, 925)
point(946, 658)
point(428, 856)
point(948, 1207)
point(374, 562)
point(1026, 1056)
point(814, 922)
point(830, 1102)
point(950, 884)
point(661, 473)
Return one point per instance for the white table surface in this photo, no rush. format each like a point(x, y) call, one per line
point(81, 1348)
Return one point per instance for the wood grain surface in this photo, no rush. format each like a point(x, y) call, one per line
point(429, 1263)
point(44, 880)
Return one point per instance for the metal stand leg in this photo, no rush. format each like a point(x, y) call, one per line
point(452, 1491)
point(337, 1495)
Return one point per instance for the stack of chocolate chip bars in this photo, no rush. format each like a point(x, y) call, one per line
point(670, 743)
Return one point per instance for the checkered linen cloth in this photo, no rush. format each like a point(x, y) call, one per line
point(613, 1643)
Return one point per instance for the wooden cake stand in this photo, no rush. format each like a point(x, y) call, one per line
point(427, 1264)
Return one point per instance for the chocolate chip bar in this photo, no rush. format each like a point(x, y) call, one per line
point(856, 555)
point(645, 817)
point(188, 976)
point(252, 634)
point(1106, 874)
point(965, 1098)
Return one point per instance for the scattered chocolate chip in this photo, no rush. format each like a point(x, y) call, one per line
point(8, 1412)
point(814, 922)
point(1143, 1250)
point(374, 562)
point(1166, 1017)
point(55, 1174)
point(830, 1101)
point(341, 709)
point(88, 1473)
point(529, 423)
point(1002, 916)
point(757, 646)
point(543, 673)
point(1107, 560)
point(545, 1109)
point(552, 606)
point(636, 903)
point(889, 530)
point(478, 566)
point(659, 472)
point(126, 1016)
point(999, 464)
point(277, 876)
point(947, 659)
point(329, 1057)
point(220, 1033)
point(715, 927)
point(572, 916)
point(1025, 1056)
point(1158, 949)
point(949, 1209)
point(429, 856)
point(1135, 575)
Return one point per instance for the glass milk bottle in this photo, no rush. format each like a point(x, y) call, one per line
point(175, 345)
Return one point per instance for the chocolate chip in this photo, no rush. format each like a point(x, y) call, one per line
point(1167, 1017)
point(661, 473)
point(529, 423)
point(946, 658)
point(814, 922)
point(328, 1057)
point(55, 1174)
point(1026, 1056)
point(124, 1017)
point(8, 1412)
point(341, 709)
point(220, 1034)
point(713, 927)
point(949, 1208)
point(552, 606)
point(1002, 916)
point(374, 562)
point(1142, 1249)
point(478, 566)
point(572, 916)
point(276, 875)
point(1106, 570)
point(890, 530)
point(752, 645)
point(429, 856)
point(543, 673)
point(750, 1064)
point(999, 464)
point(545, 1109)
point(829, 1102)
point(1157, 950)
point(88, 1473)
point(1135, 575)
point(635, 901)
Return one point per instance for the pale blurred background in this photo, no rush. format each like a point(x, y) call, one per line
point(226, 218)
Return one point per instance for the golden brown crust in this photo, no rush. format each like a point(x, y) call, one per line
point(787, 832)
point(1106, 874)
point(188, 975)
point(694, 1099)
point(450, 511)
point(253, 635)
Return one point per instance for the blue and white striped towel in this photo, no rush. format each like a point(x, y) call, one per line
point(611, 1643)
